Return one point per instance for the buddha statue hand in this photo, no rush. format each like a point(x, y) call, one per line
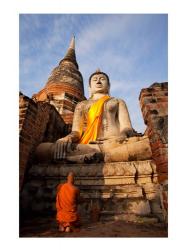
point(61, 148)
point(130, 133)
point(127, 135)
point(121, 139)
point(64, 145)
point(67, 138)
point(74, 136)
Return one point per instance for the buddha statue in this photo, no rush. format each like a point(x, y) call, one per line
point(101, 131)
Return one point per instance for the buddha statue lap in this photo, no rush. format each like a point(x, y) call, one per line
point(101, 131)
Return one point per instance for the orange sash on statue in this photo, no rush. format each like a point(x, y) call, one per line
point(66, 204)
point(94, 120)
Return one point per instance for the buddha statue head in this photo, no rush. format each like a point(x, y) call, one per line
point(99, 83)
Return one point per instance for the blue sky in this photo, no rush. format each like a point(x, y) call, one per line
point(131, 48)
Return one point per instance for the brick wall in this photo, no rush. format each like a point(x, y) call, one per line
point(58, 88)
point(154, 106)
point(38, 122)
point(52, 90)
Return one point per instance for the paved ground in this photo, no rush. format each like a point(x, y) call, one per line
point(47, 227)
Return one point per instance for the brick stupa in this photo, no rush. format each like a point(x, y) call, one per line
point(64, 88)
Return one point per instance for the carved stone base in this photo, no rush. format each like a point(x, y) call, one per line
point(110, 190)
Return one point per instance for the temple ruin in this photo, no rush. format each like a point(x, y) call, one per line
point(134, 190)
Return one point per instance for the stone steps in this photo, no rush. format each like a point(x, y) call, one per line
point(124, 189)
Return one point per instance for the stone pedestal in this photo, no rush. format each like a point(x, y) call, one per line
point(120, 190)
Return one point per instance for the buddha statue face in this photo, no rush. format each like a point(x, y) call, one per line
point(99, 84)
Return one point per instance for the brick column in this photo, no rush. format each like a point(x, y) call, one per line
point(38, 122)
point(154, 106)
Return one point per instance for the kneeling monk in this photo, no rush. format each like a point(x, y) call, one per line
point(66, 204)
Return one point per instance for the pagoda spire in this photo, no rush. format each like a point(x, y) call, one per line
point(70, 54)
point(72, 43)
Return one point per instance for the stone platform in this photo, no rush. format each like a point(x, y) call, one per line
point(119, 191)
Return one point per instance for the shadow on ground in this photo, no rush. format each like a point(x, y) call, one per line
point(47, 227)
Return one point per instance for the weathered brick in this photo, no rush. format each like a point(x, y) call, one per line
point(154, 106)
point(33, 125)
point(158, 144)
point(162, 177)
point(163, 99)
point(161, 159)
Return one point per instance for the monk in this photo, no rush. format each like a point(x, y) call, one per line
point(66, 205)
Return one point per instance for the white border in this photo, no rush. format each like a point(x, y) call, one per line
point(9, 118)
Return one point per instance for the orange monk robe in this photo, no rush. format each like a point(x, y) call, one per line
point(66, 204)
point(94, 120)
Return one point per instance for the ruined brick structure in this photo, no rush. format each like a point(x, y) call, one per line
point(64, 88)
point(38, 122)
point(134, 190)
point(154, 106)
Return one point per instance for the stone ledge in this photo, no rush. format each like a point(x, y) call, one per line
point(117, 173)
point(101, 169)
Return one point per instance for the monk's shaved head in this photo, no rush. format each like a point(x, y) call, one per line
point(71, 176)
